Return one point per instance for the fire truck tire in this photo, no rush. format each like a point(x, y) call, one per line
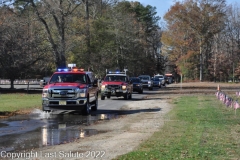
point(130, 96)
point(86, 108)
point(94, 108)
point(102, 97)
point(125, 96)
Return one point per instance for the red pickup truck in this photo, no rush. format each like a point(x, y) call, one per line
point(116, 84)
point(71, 89)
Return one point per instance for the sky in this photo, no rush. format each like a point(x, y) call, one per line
point(162, 6)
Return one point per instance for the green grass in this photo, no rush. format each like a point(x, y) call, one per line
point(19, 101)
point(199, 127)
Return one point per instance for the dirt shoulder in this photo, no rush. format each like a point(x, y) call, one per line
point(120, 135)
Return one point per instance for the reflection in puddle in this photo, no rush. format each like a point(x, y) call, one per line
point(54, 136)
point(40, 129)
point(107, 116)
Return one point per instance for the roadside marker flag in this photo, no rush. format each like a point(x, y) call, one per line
point(236, 105)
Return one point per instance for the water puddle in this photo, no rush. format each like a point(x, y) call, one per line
point(40, 129)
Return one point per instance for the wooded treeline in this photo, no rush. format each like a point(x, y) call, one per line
point(200, 40)
point(39, 36)
point(203, 39)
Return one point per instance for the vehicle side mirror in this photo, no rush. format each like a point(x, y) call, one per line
point(43, 83)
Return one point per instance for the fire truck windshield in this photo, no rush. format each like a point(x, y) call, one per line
point(115, 78)
point(68, 78)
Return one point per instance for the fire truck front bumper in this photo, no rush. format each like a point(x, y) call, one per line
point(60, 104)
point(113, 92)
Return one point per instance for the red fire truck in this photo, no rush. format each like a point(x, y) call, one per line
point(116, 84)
point(71, 89)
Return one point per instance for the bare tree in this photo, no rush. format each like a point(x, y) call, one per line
point(18, 51)
point(54, 16)
point(231, 40)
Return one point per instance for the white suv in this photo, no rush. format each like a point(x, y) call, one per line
point(162, 79)
point(146, 81)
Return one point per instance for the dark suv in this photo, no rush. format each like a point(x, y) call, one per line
point(71, 89)
point(137, 84)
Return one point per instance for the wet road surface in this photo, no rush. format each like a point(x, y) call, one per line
point(39, 129)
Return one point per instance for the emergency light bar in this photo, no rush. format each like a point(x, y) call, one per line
point(63, 69)
point(68, 70)
point(116, 72)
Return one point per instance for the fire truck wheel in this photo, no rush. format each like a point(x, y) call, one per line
point(125, 96)
point(86, 109)
point(94, 108)
point(102, 97)
point(130, 96)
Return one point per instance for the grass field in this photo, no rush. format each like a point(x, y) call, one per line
point(17, 102)
point(199, 127)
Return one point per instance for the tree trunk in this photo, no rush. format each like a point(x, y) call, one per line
point(11, 83)
point(88, 33)
point(200, 59)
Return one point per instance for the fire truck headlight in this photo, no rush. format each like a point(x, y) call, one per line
point(103, 87)
point(124, 87)
point(81, 92)
point(45, 93)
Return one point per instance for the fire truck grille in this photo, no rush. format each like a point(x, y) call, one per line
point(62, 93)
point(113, 87)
